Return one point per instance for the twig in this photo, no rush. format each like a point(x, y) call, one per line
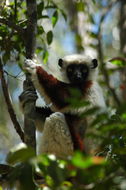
point(9, 104)
point(13, 76)
point(101, 56)
point(12, 25)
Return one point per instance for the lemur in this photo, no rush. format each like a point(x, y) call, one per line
point(61, 125)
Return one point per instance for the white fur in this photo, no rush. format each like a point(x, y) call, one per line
point(94, 94)
point(77, 59)
point(56, 138)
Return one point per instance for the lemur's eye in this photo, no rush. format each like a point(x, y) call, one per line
point(84, 70)
point(60, 62)
point(69, 69)
point(95, 63)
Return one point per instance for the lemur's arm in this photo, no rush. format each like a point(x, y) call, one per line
point(53, 90)
point(39, 114)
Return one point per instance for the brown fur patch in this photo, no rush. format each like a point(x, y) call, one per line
point(58, 91)
point(73, 122)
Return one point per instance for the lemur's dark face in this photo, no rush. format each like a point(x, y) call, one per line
point(77, 73)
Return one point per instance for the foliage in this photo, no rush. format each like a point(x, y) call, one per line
point(106, 169)
point(14, 22)
point(81, 171)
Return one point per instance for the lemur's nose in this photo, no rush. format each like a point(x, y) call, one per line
point(78, 74)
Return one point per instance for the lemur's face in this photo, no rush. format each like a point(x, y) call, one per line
point(77, 71)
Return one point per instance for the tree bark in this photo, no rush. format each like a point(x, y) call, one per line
point(9, 104)
point(29, 127)
point(122, 27)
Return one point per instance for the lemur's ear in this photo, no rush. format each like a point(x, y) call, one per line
point(95, 63)
point(60, 62)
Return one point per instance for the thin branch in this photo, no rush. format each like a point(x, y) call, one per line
point(15, 77)
point(15, 9)
point(12, 25)
point(101, 55)
point(9, 104)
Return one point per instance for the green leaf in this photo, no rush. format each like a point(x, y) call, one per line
point(21, 155)
point(54, 18)
point(49, 181)
point(119, 61)
point(83, 162)
point(44, 160)
point(123, 116)
point(49, 37)
point(45, 56)
point(40, 30)
point(38, 50)
point(40, 8)
point(80, 161)
point(80, 6)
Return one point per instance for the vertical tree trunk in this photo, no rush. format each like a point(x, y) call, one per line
point(122, 27)
point(81, 26)
point(29, 128)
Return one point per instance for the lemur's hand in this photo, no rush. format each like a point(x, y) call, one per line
point(29, 95)
point(26, 96)
point(29, 66)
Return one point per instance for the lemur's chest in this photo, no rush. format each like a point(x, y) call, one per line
point(65, 95)
point(59, 93)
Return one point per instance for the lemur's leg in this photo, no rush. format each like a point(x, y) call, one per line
point(38, 115)
point(56, 138)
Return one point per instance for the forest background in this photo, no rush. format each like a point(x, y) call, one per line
point(51, 29)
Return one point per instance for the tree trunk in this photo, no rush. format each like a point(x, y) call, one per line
point(122, 27)
point(29, 127)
